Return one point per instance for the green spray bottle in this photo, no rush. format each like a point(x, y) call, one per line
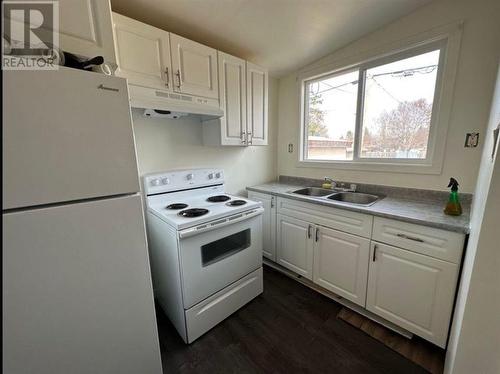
point(453, 207)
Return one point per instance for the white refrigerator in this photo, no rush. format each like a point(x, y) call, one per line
point(77, 295)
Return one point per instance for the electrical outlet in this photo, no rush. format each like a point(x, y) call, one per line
point(290, 148)
point(471, 140)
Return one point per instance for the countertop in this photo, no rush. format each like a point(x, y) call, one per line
point(422, 211)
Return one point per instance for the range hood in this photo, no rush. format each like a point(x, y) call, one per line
point(150, 98)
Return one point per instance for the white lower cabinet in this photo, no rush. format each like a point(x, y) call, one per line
point(412, 285)
point(412, 290)
point(341, 263)
point(268, 223)
point(295, 245)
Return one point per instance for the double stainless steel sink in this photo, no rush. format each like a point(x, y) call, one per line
point(346, 197)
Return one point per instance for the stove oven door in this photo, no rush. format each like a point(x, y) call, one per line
point(216, 254)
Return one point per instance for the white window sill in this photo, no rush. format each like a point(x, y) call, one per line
point(388, 167)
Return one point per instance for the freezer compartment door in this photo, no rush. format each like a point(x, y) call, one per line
point(67, 135)
point(77, 293)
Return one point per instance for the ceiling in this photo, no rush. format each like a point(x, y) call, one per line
point(282, 35)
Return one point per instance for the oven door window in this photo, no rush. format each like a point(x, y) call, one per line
point(225, 247)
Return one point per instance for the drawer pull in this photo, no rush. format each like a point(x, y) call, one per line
point(404, 236)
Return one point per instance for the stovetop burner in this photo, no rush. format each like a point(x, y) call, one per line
point(236, 202)
point(193, 212)
point(176, 206)
point(218, 198)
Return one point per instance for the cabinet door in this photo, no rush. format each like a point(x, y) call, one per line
point(295, 245)
point(142, 53)
point(341, 263)
point(195, 67)
point(77, 290)
point(75, 142)
point(85, 28)
point(411, 290)
point(257, 96)
point(232, 89)
point(268, 223)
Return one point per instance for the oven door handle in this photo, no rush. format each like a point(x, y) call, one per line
point(220, 223)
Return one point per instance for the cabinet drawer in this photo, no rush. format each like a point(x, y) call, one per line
point(343, 220)
point(208, 313)
point(441, 244)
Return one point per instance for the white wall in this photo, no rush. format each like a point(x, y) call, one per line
point(475, 335)
point(473, 89)
point(164, 144)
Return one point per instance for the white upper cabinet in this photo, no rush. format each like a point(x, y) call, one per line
point(257, 98)
point(142, 53)
point(341, 263)
point(154, 58)
point(194, 67)
point(85, 28)
point(233, 94)
point(243, 89)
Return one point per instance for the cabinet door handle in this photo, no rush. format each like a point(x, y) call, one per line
point(272, 202)
point(243, 137)
point(317, 234)
point(178, 74)
point(374, 257)
point(167, 78)
point(404, 236)
point(250, 137)
point(309, 231)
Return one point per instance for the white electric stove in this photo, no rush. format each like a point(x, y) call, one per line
point(205, 248)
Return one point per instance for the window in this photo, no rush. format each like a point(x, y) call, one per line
point(331, 116)
point(380, 111)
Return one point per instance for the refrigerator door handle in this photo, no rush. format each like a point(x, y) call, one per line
point(103, 87)
point(495, 141)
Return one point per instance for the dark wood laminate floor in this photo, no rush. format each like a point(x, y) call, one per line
point(287, 329)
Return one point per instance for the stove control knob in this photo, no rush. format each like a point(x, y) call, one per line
point(211, 176)
point(190, 176)
point(165, 181)
point(155, 182)
point(218, 175)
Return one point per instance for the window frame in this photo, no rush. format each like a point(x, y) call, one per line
point(431, 164)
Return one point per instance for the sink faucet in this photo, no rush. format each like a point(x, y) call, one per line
point(341, 186)
point(331, 181)
point(352, 187)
